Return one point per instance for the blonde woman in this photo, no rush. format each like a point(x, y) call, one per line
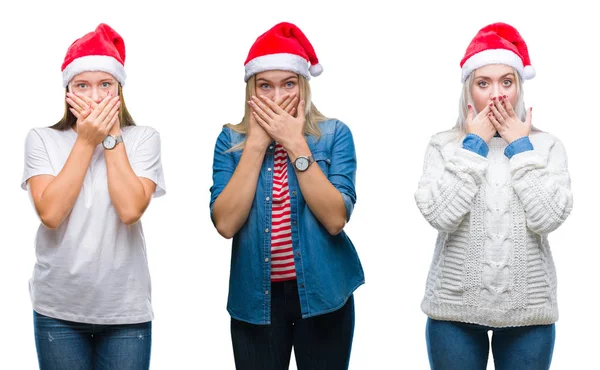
point(91, 177)
point(283, 189)
point(494, 189)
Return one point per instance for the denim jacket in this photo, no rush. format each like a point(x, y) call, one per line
point(328, 269)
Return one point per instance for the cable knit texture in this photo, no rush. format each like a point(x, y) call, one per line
point(492, 263)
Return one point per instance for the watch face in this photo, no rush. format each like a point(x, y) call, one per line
point(302, 163)
point(109, 142)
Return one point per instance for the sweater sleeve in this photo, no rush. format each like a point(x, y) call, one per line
point(543, 184)
point(449, 185)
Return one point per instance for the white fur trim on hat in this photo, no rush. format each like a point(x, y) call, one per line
point(282, 61)
point(91, 63)
point(493, 56)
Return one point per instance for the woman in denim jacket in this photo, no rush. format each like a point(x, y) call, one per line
point(283, 189)
point(494, 187)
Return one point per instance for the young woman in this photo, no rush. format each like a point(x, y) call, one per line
point(91, 177)
point(283, 189)
point(494, 188)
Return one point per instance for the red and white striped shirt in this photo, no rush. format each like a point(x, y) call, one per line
point(282, 254)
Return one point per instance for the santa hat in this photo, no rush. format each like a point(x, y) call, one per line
point(497, 43)
point(101, 50)
point(283, 47)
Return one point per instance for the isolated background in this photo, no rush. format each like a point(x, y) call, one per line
point(391, 72)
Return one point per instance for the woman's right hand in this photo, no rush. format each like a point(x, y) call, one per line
point(95, 123)
point(480, 125)
point(256, 134)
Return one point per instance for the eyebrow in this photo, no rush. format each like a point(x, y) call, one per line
point(504, 75)
point(86, 81)
point(262, 79)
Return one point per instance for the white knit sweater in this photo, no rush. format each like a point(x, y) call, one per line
point(492, 263)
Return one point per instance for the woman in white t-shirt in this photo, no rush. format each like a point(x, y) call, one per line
point(91, 177)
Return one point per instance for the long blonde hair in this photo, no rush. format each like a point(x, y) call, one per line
point(312, 114)
point(467, 98)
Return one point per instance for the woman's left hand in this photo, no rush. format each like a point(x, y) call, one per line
point(506, 122)
point(283, 127)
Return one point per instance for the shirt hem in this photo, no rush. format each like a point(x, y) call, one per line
point(114, 320)
point(490, 317)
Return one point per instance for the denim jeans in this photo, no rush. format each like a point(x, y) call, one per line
point(320, 343)
point(66, 345)
point(461, 346)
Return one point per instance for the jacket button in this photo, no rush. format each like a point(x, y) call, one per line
point(294, 192)
point(295, 223)
point(269, 169)
point(266, 292)
point(266, 260)
point(301, 285)
point(298, 254)
point(267, 199)
point(267, 230)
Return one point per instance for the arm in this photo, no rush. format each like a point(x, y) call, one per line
point(448, 186)
point(132, 182)
point(54, 197)
point(330, 198)
point(543, 185)
point(234, 187)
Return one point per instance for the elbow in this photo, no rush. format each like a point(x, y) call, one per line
point(130, 218)
point(50, 222)
point(334, 228)
point(225, 230)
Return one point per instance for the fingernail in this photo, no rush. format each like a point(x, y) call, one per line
point(469, 106)
point(494, 98)
point(531, 109)
point(491, 104)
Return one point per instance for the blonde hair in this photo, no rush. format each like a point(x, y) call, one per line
point(467, 98)
point(312, 114)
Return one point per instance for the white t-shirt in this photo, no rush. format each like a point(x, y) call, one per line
point(92, 268)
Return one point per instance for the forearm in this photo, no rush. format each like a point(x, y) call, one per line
point(126, 190)
point(57, 199)
point(448, 187)
point(323, 199)
point(232, 206)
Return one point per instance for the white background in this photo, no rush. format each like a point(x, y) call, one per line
point(391, 74)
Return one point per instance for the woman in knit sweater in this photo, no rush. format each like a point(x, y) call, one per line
point(494, 187)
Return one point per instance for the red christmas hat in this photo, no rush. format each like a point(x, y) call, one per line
point(497, 43)
point(283, 47)
point(101, 50)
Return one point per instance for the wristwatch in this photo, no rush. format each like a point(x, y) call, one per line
point(111, 141)
point(302, 162)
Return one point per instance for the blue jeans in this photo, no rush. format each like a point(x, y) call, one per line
point(461, 346)
point(320, 343)
point(66, 345)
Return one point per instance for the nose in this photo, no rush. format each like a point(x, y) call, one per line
point(96, 95)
